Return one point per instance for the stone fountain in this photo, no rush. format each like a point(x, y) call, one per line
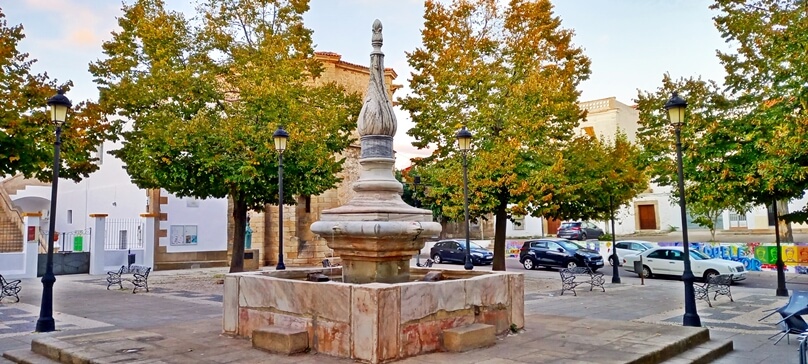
point(375, 308)
point(376, 233)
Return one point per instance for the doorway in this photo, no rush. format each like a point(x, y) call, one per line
point(647, 215)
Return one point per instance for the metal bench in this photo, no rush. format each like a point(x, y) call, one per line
point(574, 277)
point(10, 288)
point(140, 276)
point(716, 284)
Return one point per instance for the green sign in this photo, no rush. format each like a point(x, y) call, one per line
point(78, 243)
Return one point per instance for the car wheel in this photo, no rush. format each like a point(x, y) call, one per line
point(436, 259)
point(709, 274)
point(646, 272)
point(572, 264)
point(613, 261)
point(528, 264)
point(583, 236)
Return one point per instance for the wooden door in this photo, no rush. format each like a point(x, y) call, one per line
point(552, 226)
point(647, 217)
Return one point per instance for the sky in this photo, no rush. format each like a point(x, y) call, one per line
point(631, 43)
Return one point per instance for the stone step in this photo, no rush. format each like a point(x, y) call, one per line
point(699, 337)
point(25, 356)
point(703, 353)
point(469, 337)
point(282, 340)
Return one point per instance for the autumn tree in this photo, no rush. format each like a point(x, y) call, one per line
point(602, 175)
point(26, 131)
point(767, 73)
point(704, 159)
point(509, 73)
point(205, 97)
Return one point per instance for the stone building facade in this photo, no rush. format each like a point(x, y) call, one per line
point(301, 247)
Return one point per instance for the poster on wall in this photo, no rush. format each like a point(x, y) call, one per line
point(183, 235)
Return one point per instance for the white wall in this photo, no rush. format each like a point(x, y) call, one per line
point(209, 216)
point(106, 191)
point(531, 226)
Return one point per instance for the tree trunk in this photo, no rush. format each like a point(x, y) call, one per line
point(444, 224)
point(239, 228)
point(786, 235)
point(500, 222)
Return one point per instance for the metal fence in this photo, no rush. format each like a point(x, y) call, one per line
point(123, 234)
point(75, 241)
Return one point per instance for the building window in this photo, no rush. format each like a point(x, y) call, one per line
point(99, 153)
point(69, 216)
point(122, 239)
point(519, 223)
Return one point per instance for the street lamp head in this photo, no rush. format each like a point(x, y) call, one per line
point(463, 139)
point(59, 104)
point(676, 110)
point(280, 136)
point(416, 180)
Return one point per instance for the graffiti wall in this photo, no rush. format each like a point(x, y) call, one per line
point(754, 256)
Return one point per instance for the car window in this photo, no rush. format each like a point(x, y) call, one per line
point(590, 225)
point(476, 246)
point(697, 255)
point(553, 246)
point(675, 255)
point(659, 254)
point(438, 244)
point(568, 225)
point(637, 247)
point(539, 244)
point(622, 246)
point(569, 245)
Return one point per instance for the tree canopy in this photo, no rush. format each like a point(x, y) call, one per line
point(604, 174)
point(26, 133)
point(509, 73)
point(204, 97)
point(766, 73)
point(706, 162)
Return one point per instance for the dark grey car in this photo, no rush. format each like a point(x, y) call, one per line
point(551, 252)
point(577, 230)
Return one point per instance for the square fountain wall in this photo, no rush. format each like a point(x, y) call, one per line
point(373, 322)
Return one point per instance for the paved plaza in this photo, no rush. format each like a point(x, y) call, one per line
point(181, 319)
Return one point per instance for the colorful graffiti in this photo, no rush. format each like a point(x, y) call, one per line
point(754, 256)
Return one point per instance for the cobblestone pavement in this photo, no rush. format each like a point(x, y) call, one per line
point(192, 299)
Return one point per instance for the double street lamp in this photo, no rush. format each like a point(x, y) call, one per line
point(464, 143)
point(280, 137)
point(59, 104)
point(676, 112)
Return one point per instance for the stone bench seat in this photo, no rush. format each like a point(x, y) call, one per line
point(465, 338)
point(282, 340)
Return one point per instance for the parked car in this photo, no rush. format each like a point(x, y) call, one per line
point(553, 252)
point(629, 247)
point(670, 261)
point(447, 251)
point(579, 230)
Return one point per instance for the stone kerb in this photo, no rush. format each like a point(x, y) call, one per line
point(373, 322)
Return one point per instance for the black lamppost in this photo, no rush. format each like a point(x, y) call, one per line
point(676, 111)
point(416, 180)
point(464, 142)
point(615, 259)
point(59, 104)
point(781, 291)
point(280, 136)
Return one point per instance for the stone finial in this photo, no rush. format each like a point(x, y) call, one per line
point(376, 117)
point(377, 39)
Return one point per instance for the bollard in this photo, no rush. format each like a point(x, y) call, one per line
point(638, 269)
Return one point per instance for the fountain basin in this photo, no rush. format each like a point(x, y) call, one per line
point(374, 322)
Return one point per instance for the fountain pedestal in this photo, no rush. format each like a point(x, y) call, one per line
point(380, 311)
